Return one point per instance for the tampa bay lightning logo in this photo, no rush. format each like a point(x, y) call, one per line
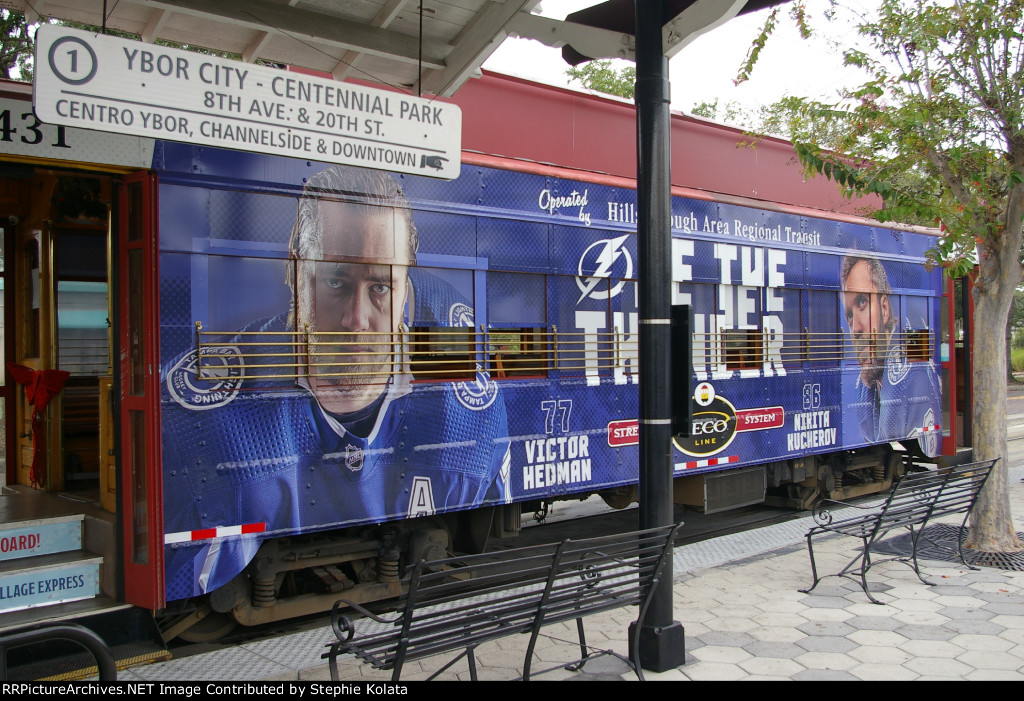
point(600, 260)
point(212, 385)
point(896, 366)
point(460, 314)
point(479, 393)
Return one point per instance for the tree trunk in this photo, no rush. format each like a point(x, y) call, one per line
point(991, 523)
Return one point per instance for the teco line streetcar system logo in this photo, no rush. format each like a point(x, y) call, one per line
point(107, 83)
point(712, 431)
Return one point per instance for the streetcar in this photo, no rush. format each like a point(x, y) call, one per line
point(256, 382)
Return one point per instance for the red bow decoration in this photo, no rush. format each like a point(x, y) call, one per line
point(40, 387)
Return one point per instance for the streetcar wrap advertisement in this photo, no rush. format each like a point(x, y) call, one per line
point(345, 347)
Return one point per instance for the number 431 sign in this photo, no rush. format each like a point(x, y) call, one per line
point(22, 133)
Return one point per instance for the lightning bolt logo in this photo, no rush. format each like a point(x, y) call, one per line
point(605, 259)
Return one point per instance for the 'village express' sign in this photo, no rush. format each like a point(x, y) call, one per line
point(95, 81)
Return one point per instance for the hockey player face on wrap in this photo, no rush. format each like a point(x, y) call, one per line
point(868, 314)
point(353, 296)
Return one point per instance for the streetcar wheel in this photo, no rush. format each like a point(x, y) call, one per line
point(896, 467)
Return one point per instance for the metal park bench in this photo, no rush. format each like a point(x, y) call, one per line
point(455, 604)
point(914, 500)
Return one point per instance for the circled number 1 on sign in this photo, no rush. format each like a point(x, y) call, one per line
point(65, 64)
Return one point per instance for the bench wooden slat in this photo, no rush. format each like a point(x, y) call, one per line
point(913, 501)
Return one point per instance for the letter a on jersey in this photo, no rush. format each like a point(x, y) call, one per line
point(421, 501)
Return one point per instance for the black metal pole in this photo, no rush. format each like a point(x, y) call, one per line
point(662, 640)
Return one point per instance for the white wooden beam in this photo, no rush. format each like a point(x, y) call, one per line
point(306, 26)
point(700, 17)
point(384, 17)
point(154, 26)
point(254, 47)
point(475, 43)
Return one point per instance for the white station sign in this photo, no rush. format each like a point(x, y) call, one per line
point(95, 81)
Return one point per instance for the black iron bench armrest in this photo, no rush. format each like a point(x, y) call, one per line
point(343, 626)
point(822, 515)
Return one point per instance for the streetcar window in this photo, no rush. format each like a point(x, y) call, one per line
point(517, 306)
point(443, 352)
point(30, 296)
point(783, 344)
point(82, 314)
point(743, 349)
point(705, 348)
point(518, 299)
point(82, 327)
point(871, 320)
point(919, 344)
point(917, 337)
point(586, 348)
point(520, 352)
point(822, 341)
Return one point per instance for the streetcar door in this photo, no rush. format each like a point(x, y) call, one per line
point(6, 425)
point(60, 226)
point(139, 385)
point(36, 443)
point(958, 325)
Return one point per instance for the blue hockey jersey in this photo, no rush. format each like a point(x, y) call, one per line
point(274, 457)
point(906, 403)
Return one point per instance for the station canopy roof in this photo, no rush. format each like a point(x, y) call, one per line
point(390, 42)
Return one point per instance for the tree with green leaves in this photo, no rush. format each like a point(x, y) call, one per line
point(937, 132)
point(16, 46)
point(603, 76)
